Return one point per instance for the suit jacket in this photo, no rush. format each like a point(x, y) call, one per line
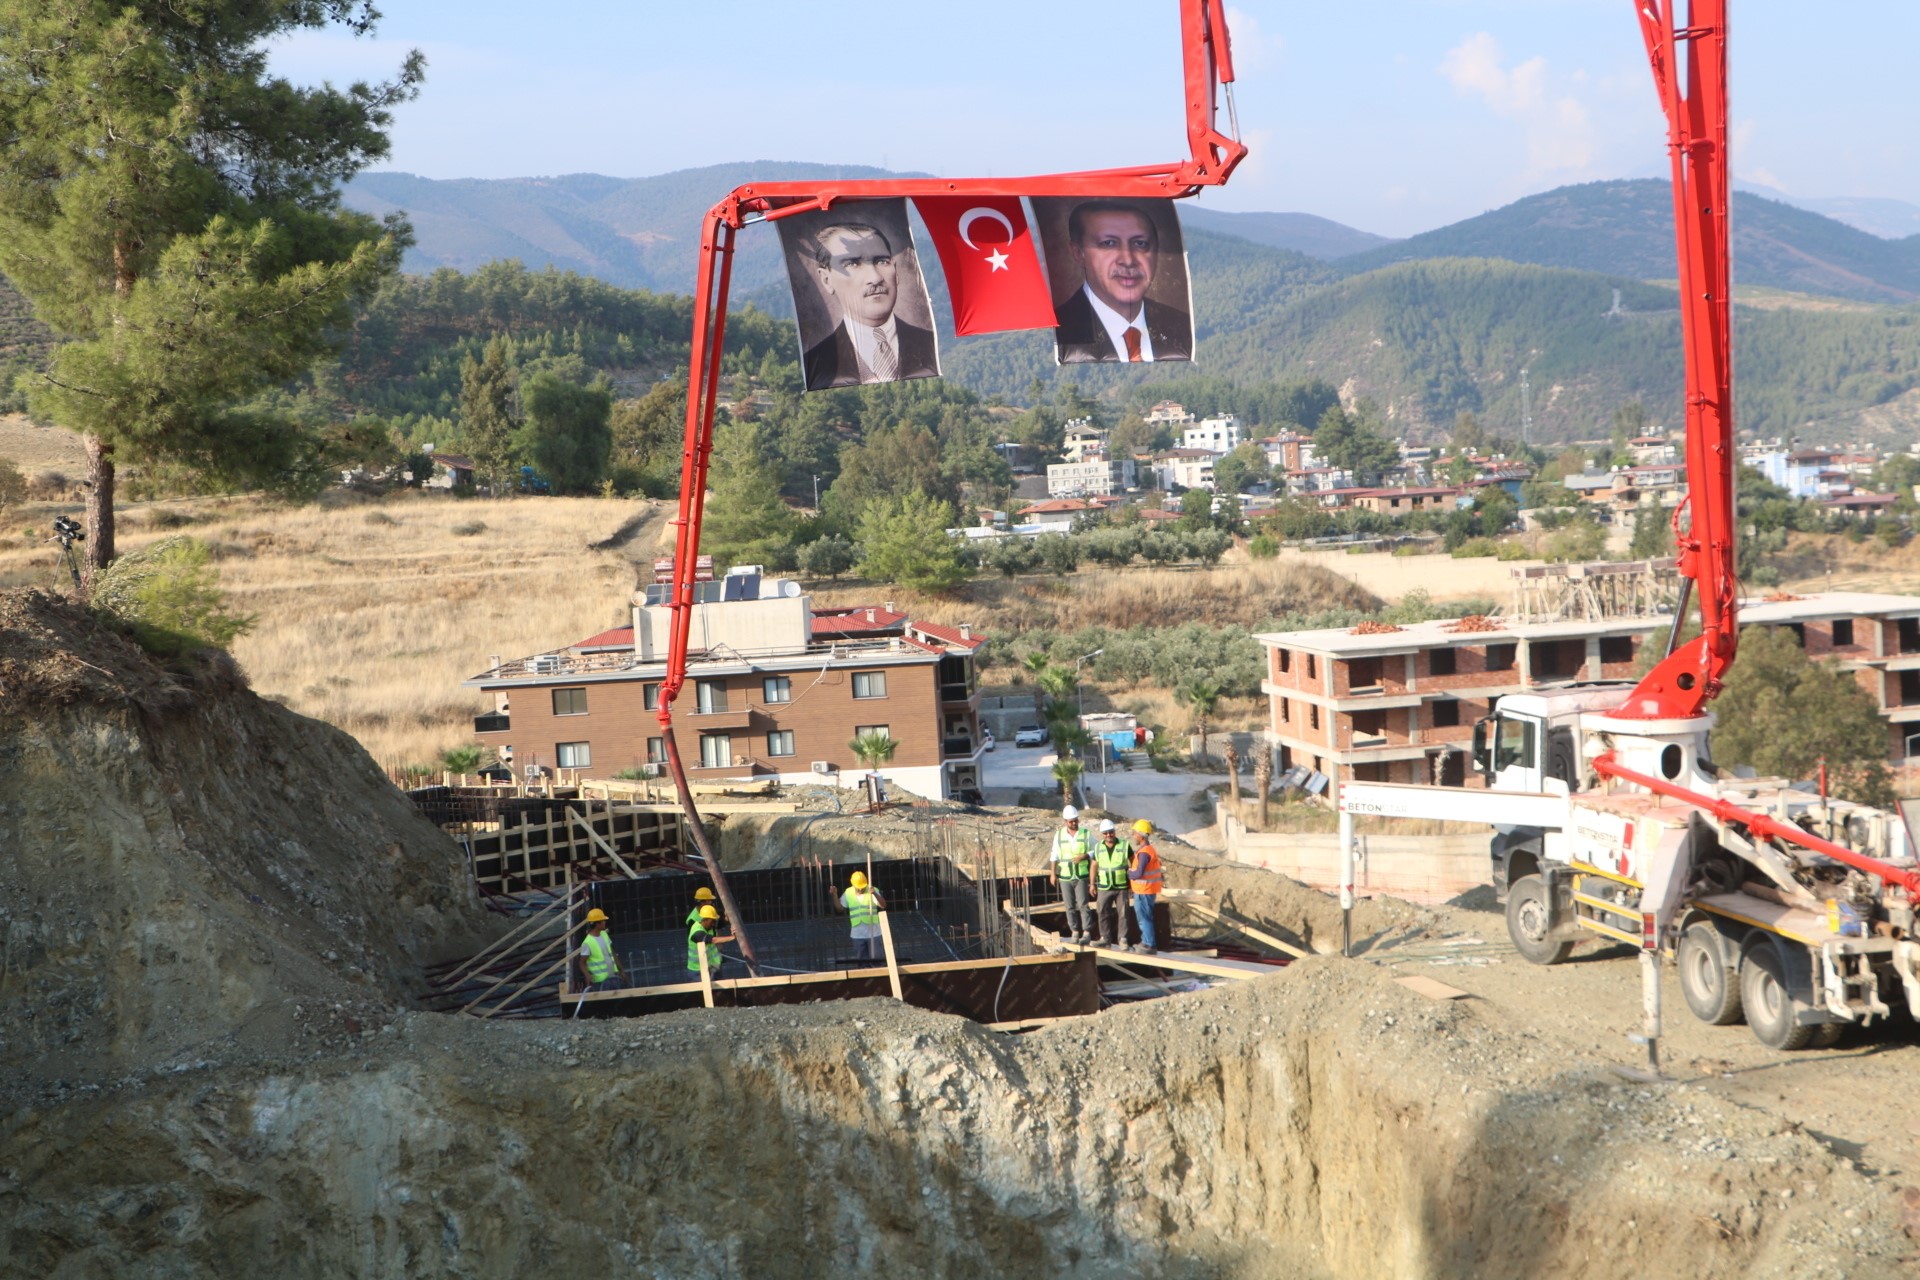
point(831, 362)
point(1082, 339)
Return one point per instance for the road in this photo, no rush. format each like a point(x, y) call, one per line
point(1162, 798)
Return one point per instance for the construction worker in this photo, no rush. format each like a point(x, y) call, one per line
point(1145, 881)
point(599, 967)
point(1111, 859)
point(703, 939)
point(1071, 861)
point(863, 906)
point(703, 897)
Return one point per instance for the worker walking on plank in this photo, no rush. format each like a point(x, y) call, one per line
point(863, 905)
point(703, 941)
point(1112, 858)
point(599, 968)
point(1145, 880)
point(1072, 863)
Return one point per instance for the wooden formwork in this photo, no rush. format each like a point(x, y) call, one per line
point(535, 851)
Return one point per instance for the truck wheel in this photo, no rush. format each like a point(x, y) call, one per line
point(1709, 984)
point(1529, 922)
point(1828, 1034)
point(1772, 1011)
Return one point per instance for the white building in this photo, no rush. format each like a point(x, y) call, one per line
point(1219, 434)
point(1083, 441)
point(1170, 413)
point(1184, 469)
point(1094, 476)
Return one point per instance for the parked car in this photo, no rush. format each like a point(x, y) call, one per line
point(1030, 735)
point(986, 738)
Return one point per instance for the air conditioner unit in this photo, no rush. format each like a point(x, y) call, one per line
point(825, 766)
point(546, 664)
point(650, 770)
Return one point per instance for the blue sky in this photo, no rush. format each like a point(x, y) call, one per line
point(1395, 117)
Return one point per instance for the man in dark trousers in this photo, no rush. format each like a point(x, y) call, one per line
point(1112, 859)
point(1111, 318)
point(870, 344)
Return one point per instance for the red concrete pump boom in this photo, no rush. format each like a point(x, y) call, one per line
point(1690, 73)
point(1207, 64)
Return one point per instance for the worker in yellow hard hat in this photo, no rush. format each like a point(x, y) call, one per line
point(703, 942)
point(1145, 881)
point(703, 897)
point(599, 967)
point(863, 905)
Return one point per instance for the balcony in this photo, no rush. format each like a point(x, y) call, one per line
point(493, 722)
point(959, 746)
point(958, 693)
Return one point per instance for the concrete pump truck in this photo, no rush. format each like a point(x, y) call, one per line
point(1779, 906)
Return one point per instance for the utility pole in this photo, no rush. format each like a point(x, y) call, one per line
point(1526, 410)
point(816, 495)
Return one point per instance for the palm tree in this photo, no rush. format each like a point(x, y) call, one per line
point(1057, 684)
point(874, 749)
point(1203, 696)
point(1263, 779)
point(1067, 770)
point(1232, 753)
point(1036, 666)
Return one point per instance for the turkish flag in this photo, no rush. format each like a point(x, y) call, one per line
point(993, 273)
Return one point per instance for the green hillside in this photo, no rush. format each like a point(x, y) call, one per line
point(1306, 233)
point(24, 343)
point(1626, 229)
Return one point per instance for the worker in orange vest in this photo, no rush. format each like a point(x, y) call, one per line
point(1145, 880)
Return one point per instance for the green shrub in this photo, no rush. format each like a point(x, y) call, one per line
point(1263, 546)
point(170, 598)
point(1476, 549)
point(468, 528)
point(463, 759)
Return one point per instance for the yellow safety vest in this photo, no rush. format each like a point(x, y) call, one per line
point(1114, 863)
point(862, 906)
point(598, 949)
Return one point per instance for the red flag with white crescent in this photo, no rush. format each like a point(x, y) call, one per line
point(993, 272)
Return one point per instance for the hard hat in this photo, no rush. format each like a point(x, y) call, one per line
point(703, 894)
point(1106, 825)
point(1144, 827)
point(859, 880)
point(1069, 813)
point(708, 913)
point(595, 916)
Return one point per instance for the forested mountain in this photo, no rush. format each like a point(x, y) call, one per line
point(24, 343)
point(1306, 233)
point(1626, 229)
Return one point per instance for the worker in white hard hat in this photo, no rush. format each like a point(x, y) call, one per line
point(1071, 861)
point(1112, 857)
point(599, 967)
point(863, 905)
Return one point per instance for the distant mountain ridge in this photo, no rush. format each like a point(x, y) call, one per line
point(1626, 228)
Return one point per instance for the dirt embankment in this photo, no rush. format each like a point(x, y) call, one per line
point(216, 912)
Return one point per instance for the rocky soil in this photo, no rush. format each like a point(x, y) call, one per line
point(216, 916)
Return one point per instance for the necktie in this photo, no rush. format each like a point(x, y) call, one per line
point(885, 367)
point(1133, 343)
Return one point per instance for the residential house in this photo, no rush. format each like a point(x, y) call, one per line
point(1400, 502)
point(1169, 413)
point(1082, 441)
point(1216, 435)
point(772, 691)
point(1183, 469)
point(1057, 515)
point(1095, 475)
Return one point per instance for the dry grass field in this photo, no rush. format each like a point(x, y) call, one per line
point(40, 449)
point(371, 612)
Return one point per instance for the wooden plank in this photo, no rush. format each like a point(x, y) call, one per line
point(1028, 1024)
point(893, 962)
point(460, 975)
point(838, 975)
point(607, 848)
point(1182, 960)
point(1430, 989)
point(706, 979)
point(537, 956)
point(1258, 935)
point(521, 989)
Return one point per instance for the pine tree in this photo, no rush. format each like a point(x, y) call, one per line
point(566, 435)
point(906, 541)
point(487, 419)
point(746, 523)
point(174, 213)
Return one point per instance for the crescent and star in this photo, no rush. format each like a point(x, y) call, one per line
point(996, 260)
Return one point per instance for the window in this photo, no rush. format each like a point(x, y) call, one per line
point(1500, 657)
point(710, 696)
point(1440, 662)
point(1363, 673)
point(1615, 649)
point(569, 702)
point(1313, 715)
point(1842, 632)
point(656, 750)
point(1286, 711)
point(861, 731)
point(1910, 688)
point(1909, 634)
point(1446, 713)
point(573, 755)
point(1286, 660)
point(780, 742)
point(1515, 744)
point(1310, 667)
point(776, 689)
point(869, 684)
point(716, 751)
point(650, 696)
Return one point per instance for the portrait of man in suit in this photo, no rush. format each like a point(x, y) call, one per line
point(855, 333)
point(1128, 292)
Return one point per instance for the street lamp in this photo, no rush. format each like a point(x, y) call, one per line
point(1080, 707)
point(816, 495)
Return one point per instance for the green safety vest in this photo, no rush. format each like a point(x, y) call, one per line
point(693, 916)
point(598, 949)
point(862, 906)
point(698, 937)
point(1114, 863)
point(1073, 854)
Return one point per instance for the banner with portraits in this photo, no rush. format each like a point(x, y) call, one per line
point(862, 303)
point(1117, 269)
